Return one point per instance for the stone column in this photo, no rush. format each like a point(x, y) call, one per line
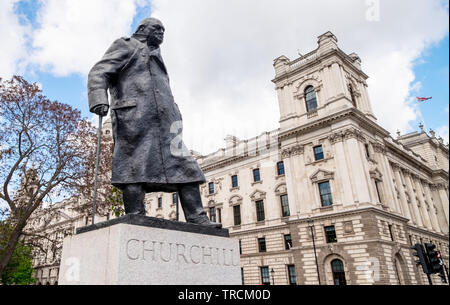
point(346, 187)
point(423, 207)
point(442, 219)
point(412, 196)
point(359, 176)
point(288, 155)
point(401, 191)
point(444, 199)
point(433, 212)
point(389, 192)
point(337, 79)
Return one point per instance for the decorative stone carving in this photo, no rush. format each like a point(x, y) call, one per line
point(235, 200)
point(292, 151)
point(379, 148)
point(321, 175)
point(376, 174)
point(348, 227)
point(281, 189)
point(258, 195)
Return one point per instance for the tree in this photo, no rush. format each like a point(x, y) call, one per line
point(46, 152)
point(20, 268)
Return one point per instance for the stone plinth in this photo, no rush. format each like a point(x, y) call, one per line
point(139, 250)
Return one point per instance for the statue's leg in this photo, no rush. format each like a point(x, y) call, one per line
point(191, 202)
point(133, 199)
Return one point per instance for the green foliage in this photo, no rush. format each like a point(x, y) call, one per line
point(116, 201)
point(20, 268)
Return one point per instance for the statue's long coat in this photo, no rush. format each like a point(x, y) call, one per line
point(146, 121)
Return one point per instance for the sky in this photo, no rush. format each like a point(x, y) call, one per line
point(219, 54)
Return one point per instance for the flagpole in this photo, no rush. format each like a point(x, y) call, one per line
point(421, 116)
point(420, 99)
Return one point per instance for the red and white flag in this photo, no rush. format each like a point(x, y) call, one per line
point(423, 99)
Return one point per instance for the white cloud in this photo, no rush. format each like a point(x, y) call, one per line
point(13, 39)
point(74, 34)
point(219, 55)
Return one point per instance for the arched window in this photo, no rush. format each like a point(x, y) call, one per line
point(337, 267)
point(311, 99)
point(352, 94)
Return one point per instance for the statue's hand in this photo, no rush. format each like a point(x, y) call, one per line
point(101, 110)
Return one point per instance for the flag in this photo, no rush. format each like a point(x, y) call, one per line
point(423, 99)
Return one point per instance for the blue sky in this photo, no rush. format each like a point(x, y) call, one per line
point(221, 72)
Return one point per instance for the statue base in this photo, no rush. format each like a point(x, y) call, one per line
point(140, 250)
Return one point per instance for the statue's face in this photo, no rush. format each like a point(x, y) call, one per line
point(155, 33)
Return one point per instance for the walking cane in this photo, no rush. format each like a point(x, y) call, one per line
point(99, 136)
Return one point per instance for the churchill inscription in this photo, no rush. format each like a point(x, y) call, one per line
point(172, 252)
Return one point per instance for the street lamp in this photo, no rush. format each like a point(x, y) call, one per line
point(311, 227)
point(272, 272)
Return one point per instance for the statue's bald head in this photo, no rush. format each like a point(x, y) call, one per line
point(152, 29)
point(148, 22)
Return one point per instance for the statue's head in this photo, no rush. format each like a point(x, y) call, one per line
point(152, 29)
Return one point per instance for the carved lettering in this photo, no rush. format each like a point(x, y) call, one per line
point(128, 250)
point(167, 252)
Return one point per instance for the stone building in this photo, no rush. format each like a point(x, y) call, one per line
point(330, 195)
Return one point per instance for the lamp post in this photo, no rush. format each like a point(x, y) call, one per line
point(272, 272)
point(311, 227)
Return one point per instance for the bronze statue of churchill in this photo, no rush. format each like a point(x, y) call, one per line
point(146, 123)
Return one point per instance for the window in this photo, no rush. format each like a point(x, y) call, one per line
point(318, 153)
point(256, 175)
point(240, 246)
point(260, 210)
point(242, 275)
point(280, 168)
point(325, 194)
point(212, 214)
point(174, 198)
point(330, 234)
point(265, 277)
point(284, 205)
point(211, 188)
point(262, 244)
point(237, 215)
point(234, 181)
point(352, 94)
point(287, 241)
point(337, 267)
point(311, 100)
point(292, 276)
point(391, 233)
point(377, 186)
point(159, 202)
point(366, 146)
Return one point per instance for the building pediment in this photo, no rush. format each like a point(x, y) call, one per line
point(258, 195)
point(281, 189)
point(235, 200)
point(321, 175)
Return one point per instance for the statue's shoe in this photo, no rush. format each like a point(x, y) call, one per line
point(204, 221)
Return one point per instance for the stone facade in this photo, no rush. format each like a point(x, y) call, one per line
point(342, 176)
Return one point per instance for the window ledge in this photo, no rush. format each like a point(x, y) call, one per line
point(312, 114)
point(234, 188)
point(257, 182)
point(280, 176)
point(261, 223)
point(326, 208)
point(319, 161)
